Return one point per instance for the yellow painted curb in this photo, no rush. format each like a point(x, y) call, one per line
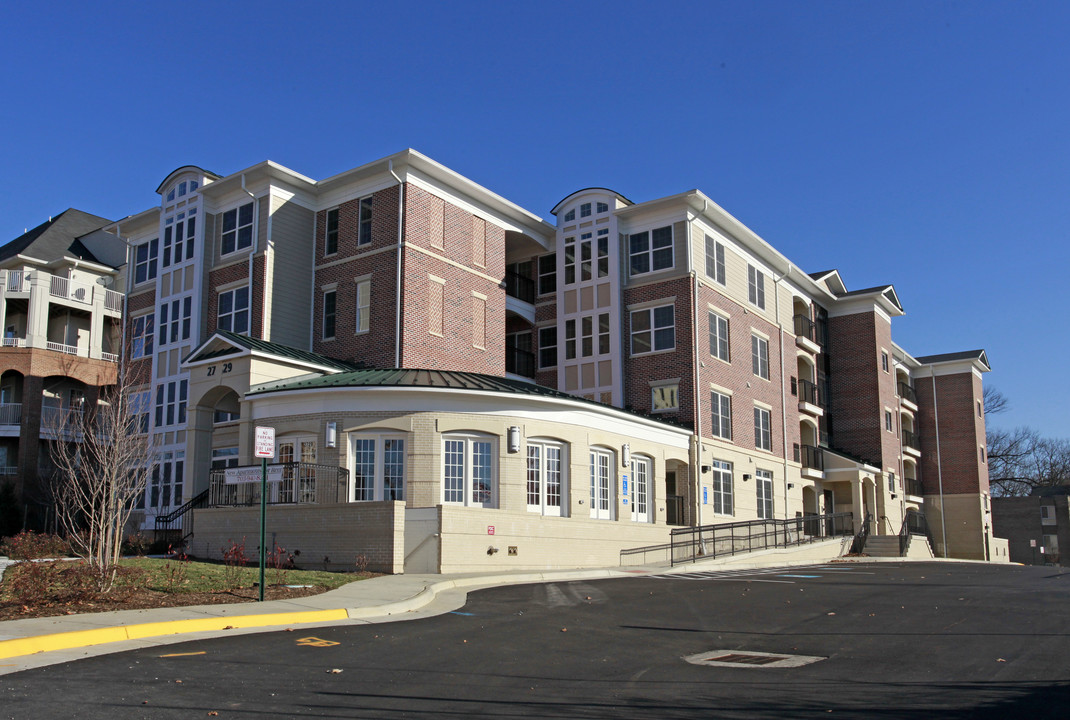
point(83, 638)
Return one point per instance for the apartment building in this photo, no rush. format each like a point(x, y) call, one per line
point(458, 384)
point(61, 305)
point(1037, 527)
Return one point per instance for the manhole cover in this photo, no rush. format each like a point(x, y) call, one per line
point(748, 658)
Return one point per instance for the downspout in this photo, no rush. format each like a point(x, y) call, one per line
point(397, 278)
point(256, 246)
point(696, 467)
point(939, 463)
point(783, 391)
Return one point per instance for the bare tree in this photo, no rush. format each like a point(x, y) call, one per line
point(102, 460)
point(1010, 460)
point(995, 401)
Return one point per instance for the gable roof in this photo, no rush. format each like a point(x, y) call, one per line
point(976, 355)
point(56, 238)
point(224, 343)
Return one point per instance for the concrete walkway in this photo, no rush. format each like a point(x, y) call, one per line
point(36, 642)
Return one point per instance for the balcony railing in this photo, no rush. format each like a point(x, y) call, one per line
point(519, 362)
point(16, 281)
point(294, 483)
point(805, 327)
point(907, 393)
point(113, 301)
point(11, 414)
point(913, 486)
point(14, 342)
point(8, 470)
point(60, 418)
point(808, 393)
point(62, 347)
point(519, 286)
point(910, 440)
point(810, 456)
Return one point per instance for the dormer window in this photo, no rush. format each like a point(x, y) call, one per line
point(570, 215)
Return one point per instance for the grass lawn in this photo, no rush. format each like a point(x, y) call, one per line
point(169, 575)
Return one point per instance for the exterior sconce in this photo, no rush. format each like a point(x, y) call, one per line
point(332, 435)
point(706, 469)
point(791, 485)
point(746, 477)
point(626, 455)
point(514, 439)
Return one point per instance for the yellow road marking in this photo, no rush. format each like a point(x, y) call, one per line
point(316, 642)
point(202, 652)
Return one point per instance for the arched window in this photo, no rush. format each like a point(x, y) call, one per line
point(603, 484)
point(547, 477)
point(470, 470)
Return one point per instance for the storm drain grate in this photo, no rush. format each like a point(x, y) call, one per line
point(748, 658)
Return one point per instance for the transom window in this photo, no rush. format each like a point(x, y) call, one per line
point(546, 475)
point(378, 468)
point(719, 337)
point(722, 487)
point(650, 250)
point(653, 329)
point(145, 258)
point(237, 229)
point(469, 474)
point(234, 310)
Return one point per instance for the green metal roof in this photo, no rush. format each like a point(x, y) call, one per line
point(267, 348)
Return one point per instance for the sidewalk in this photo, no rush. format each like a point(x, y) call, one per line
point(36, 642)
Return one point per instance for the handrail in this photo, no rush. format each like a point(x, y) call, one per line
point(805, 327)
point(859, 543)
point(710, 541)
point(907, 393)
point(519, 286)
point(914, 523)
point(198, 501)
point(808, 393)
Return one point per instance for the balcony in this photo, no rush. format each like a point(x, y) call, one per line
point(911, 443)
point(14, 342)
point(812, 460)
point(913, 488)
point(907, 396)
point(519, 362)
point(10, 419)
point(519, 295)
point(806, 334)
point(809, 398)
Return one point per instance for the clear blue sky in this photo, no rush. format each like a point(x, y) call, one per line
point(923, 144)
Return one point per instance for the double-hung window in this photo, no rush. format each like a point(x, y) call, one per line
point(546, 475)
point(145, 258)
point(330, 310)
point(237, 229)
point(722, 415)
point(174, 319)
point(547, 273)
point(759, 353)
point(719, 337)
point(650, 250)
point(756, 287)
point(763, 431)
point(722, 487)
point(764, 483)
point(378, 468)
point(142, 332)
point(715, 260)
point(234, 310)
point(548, 347)
point(364, 305)
point(469, 471)
point(365, 232)
point(653, 329)
point(330, 240)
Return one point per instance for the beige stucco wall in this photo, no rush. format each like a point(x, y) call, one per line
point(967, 525)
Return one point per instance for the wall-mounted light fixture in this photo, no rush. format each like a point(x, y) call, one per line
point(626, 455)
point(514, 439)
point(331, 440)
point(706, 468)
point(791, 485)
point(746, 477)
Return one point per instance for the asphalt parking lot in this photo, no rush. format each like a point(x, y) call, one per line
point(882, 640)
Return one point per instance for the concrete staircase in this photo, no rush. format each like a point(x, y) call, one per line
point(882, 546)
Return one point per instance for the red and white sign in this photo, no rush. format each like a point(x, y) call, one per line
point(490, 529)
point(265, 442)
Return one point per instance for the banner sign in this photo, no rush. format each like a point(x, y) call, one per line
point(251, 473)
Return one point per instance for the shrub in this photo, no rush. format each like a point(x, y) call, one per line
point(235, 560)
point(280, 562)
point(28, 545)
point(137, 544)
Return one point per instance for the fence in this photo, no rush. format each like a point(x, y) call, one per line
point(288, 484)
point(711, 541)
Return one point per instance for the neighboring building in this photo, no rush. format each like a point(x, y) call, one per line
point(390, 322)
point(62, 324)
point(1036, 527)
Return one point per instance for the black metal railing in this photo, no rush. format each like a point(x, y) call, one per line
point(914, 524)
point(519, 286)
point(519, 362)
point(711, 541)
point(175, 520)
point(862, 535)
point(808, 393)
point(805, 327)
point(295, 483)
point(810, 456)
point(910, 439)
point(913, 486)
point(907, 393)
point(674, 510)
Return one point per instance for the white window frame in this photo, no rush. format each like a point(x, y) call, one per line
point(652, 329)
point(387, 483)
point(235, 312)
point(763, 487)
point(650, 251)
point(720, 338)
point(142, 335)
point(722, 421)
point(546, 473)
point(763, 429)
point(468, 444)
point(150, 263)
point(173, 320)
point(364, 306)
point(570, 216)
point(585, 210)
point(603, 495)
point(723, 488)
point(602, 207)
point(756, 287)
point(759, 350)
point(715, 267)
point(241, 240)
point(641, 495)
